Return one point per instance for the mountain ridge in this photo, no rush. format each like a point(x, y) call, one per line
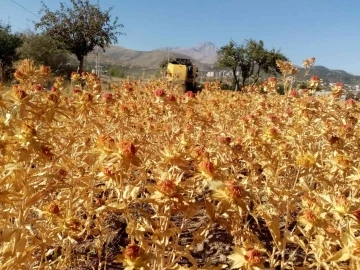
point(204, 55)
point(204, 52)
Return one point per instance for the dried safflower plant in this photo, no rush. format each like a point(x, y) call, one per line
point(84, 166)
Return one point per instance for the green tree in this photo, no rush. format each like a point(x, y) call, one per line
point(81, 28)
point(262, 60)
point(46, 51)
point(9, 42)
point(248, 60)
point(116, 71)
point(230, 56)
point(163, 64)
point(302, 85)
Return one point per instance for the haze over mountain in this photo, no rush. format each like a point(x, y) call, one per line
point(203, 55)
point(205, 52)
point(117, 55)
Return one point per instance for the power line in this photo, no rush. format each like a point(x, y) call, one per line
point(25, 9)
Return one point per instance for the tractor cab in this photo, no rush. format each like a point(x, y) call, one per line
point(182, 72)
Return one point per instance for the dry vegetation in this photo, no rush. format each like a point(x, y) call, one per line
point(144, 177)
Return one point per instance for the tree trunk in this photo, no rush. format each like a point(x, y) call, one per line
point(243, 81)
point(2, 72)
point(257, 76)
point(81, 63)
point(236, 80)
point(245, 69)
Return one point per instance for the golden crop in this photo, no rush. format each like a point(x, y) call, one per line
point(81, 169)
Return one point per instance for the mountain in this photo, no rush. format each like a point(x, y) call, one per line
point(117, 55)
point(204, 52)
point(328, 75)
point(203, 55)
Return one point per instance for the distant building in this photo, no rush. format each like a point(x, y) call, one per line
point(221, 73)
point(210, 74)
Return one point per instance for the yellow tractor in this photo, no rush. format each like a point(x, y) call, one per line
point(183, 73)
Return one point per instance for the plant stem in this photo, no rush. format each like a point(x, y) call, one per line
point(286, 231)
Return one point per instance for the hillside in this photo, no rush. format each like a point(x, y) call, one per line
point(329, 76)
point(117, 55)
point(203, 55)
point(205, 52)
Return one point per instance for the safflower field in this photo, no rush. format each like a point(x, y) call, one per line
point(142, 176)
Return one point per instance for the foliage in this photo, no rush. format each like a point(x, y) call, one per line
point(44, 50)
point(302, 85)
point(288, 83)
point(9, 42)
point(140, 177)
point(225, 86)
point(249, 59)
point(117, 72)
point(281, 89)
point(351, 95)
point(163, 64)
point(81, 28)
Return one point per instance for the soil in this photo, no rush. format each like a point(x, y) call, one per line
point(216, 246)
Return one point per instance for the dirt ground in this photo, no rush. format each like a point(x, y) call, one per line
point(216, 246)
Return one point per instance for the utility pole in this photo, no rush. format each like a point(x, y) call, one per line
point(96, 62)
point(97, 68)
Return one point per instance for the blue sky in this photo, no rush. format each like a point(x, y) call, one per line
point(326, 29)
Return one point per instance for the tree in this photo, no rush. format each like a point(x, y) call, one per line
point(248, 60)
point(45, 51)
point(163, 65)
point(81, 28)
point(230, 56)
point(262, 59)
point(8, 55)
point(116, 71)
